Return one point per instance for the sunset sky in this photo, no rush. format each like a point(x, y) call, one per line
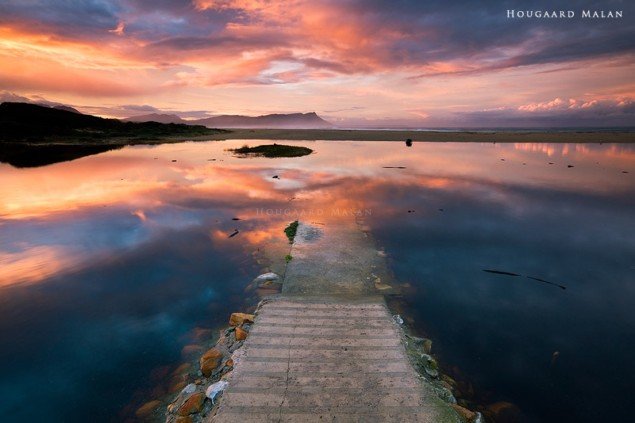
point(371, 63)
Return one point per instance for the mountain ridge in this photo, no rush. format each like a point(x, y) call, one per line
point(274, 120)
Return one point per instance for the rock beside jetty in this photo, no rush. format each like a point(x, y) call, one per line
point(196, 400)
point(238, 319)
point(210, 361)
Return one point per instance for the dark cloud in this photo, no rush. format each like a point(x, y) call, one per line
point(478, 33)
point(85, 18)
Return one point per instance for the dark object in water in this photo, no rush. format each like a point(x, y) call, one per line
point(275, 177)
point(173, 161)
point(625, 171)
point(394, 167)
point(501, 272)
point(411, 211)
point(550, 162)
point(233, 234)
point(235, 218)
point(502, 160)
point(569, 165)
point(408, 142)
point(441, 210)
point(547, 282)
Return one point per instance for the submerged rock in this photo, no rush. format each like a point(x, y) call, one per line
point(503, 411)
point(146, 409)
point(468, 415)
point(381, 286)
point(429, 365)
point(427, 346)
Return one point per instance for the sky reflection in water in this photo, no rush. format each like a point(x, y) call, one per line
point(108, 263)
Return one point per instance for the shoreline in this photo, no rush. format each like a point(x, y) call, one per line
point(425, 136)
point(347, 135)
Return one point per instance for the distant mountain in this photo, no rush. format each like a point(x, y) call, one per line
point(156, 117)
point(291, 120)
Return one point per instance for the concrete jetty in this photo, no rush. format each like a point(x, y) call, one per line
point(327, 348)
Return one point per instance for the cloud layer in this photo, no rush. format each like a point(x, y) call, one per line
point(435, 58)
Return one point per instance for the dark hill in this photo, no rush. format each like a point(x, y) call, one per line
point(30, 122)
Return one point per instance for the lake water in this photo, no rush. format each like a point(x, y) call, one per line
point(116, 269)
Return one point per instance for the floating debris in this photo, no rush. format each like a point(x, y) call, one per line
point(569, 165)
point(501, 272)
point(554, 357)
point(502, 160)
point(625, 171)
point(550, 163)
point(547, 282)
point(441, 210)
point(408, 142)
point(275, 177)
point(397, 319)
point(411, 211)
point(235, 218)
point(173, 161)
point(233, 234)
point(394, 167)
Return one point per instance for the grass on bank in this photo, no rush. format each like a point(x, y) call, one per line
point(291, 230)
point(272, 151)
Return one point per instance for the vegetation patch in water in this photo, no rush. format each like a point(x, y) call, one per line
point(291, 230)
point(272, 150)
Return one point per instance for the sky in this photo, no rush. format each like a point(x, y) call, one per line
point(371, 63)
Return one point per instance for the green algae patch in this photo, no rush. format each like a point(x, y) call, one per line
point(291, 230)
point(288, 258)
point(271, 151)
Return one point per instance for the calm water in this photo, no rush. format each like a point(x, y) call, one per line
point(114, 267)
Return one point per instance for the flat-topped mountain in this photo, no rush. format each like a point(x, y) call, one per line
point(278, 120)
point(156, 117)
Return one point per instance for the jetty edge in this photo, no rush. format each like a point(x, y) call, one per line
point(325, 348)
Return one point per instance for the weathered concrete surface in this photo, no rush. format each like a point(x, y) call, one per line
point(327, 349)
point(309, 359)
point(334, 259)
